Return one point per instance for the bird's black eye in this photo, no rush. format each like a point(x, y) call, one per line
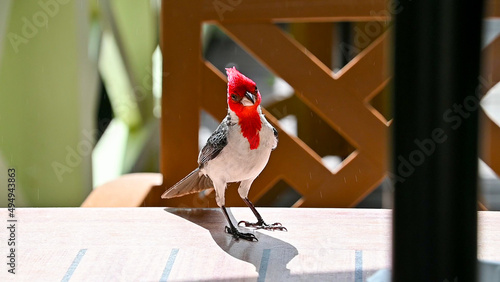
point(234, 97)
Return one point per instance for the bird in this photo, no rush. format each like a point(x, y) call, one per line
point(237, 151)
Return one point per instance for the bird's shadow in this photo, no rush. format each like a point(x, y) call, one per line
point(267, 255)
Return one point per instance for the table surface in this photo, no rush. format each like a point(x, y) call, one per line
point(158, 244)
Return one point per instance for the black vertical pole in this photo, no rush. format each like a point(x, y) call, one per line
point(437, 50)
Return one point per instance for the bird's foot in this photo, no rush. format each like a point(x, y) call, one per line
point(239, 235)
point(263, 225)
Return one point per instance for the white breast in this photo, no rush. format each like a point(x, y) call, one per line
point(236, 162)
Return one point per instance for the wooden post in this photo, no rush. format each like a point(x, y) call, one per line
point(435, 141)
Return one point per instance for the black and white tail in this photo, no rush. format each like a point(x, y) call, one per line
point(192, 183)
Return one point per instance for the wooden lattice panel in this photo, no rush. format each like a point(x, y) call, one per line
point(341, 100)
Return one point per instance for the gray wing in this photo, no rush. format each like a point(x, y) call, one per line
point(216, 142)
point(275, 136)
point(195, 181)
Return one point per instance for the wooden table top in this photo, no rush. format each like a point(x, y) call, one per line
point(157, 244)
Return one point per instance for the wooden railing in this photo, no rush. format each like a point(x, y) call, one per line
point(341, 100)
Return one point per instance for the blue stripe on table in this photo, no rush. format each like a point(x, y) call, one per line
point(169, 265)
point(358, 266)
point(74, 265)
point(263, 265)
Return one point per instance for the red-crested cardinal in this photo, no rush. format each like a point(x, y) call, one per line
point(237, 151)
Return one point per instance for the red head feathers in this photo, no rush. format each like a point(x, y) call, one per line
point(243, 99)
point(239, 84)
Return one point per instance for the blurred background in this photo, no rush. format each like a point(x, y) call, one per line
point(81, 87)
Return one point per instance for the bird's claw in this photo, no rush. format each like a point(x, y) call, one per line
point(263, 225)
point(239, 235)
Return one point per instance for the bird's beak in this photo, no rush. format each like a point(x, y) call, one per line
point(250, 97)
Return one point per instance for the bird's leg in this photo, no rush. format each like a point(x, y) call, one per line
point(231, 229)
point(260, 224)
